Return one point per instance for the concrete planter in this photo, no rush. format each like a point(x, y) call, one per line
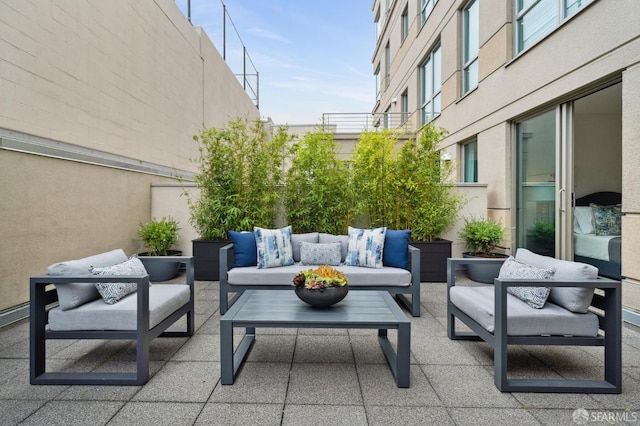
point(484, 273)
point(160, 268)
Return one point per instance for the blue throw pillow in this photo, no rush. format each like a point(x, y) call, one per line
point(396, 247)
point(245, 250)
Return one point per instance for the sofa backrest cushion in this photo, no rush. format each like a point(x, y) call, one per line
point(245, 251)
point(72, 295)
point(575, 299)
point(396, 248)
point(296, 239)
point(330, 238)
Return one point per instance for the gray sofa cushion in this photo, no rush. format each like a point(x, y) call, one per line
point(164, 299)
point(575, 299)
point(296, 239)
point(71, 295)
point(358, 276)
point(330, 238)
point(522, 320)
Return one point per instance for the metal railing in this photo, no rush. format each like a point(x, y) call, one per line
point(357, 122)
point(249, 77)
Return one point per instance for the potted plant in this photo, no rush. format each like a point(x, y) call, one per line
point(321, 287)
point(481, 237)
point(158, 237)
point(239, 182)
point(317, 194)
point(424, 199)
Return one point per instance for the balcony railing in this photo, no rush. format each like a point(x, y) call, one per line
point(357, 122)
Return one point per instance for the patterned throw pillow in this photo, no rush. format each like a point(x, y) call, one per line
point(533, 296)
point(112, 292)
point(274, 247)
point(365, 247)
point(320, 254)
point(607, 219)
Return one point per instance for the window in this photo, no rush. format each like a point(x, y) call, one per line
point(404, 106)
point(470, 18)
point(387, 118)
point(426, 6)
point(378, 23)
point(470, 161)
point(377, 75)
point(537, 18)
point(430, 85)
point(405, 23)
point(387, 65)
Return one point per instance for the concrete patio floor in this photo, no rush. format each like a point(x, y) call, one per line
point(310, 377)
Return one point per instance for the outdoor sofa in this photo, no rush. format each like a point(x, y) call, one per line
point(399, 274)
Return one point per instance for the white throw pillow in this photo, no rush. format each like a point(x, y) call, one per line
point(583, 220)
point(365, 247)
point(112, 292)
point(533, 296)
point(274, 247)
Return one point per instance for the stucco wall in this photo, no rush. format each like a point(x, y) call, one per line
point(126, 78)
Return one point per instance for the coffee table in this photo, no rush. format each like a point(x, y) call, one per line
point(282, 308)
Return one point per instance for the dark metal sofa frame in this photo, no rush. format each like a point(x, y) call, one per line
point(42, 300)
point(227, 300)
point(607, 304)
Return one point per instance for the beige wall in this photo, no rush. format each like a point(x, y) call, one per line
point(125, 79)
point(568, 63)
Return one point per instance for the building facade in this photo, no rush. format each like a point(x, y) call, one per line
point(540, 99)
point(98, 101)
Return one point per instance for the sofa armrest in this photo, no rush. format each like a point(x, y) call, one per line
point(226, 262)
point(414, 264)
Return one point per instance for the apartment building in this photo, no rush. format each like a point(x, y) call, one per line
point(540, 99)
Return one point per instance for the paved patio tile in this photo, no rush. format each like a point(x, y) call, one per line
point(68, 413)
point(257, 382)
point(181, 382)
point(98, 393)
point(492, 416)
point(321, 348)
point(440, 350)
point(332, 384)
point(14, 411)
point(240, 414)
point(379, 387)
point(157, 413)
point(335, 415)
point(467, 386)
point(200, 347)
point(272, 348)
point(408, 416)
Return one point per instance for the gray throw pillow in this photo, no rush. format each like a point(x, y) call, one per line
point(320, 254)
point(532, 296)
point(72, 295)
point(296, 239)
point(112, 292)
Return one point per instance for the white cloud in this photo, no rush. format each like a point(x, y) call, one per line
point(261, 32)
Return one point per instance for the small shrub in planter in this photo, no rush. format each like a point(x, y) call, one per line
point(159, 236)
point(481, 238)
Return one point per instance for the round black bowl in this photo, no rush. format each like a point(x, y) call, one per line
point(322, 298)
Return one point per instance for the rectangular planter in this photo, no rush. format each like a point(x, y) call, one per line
point(433, 259)
point(206, 259)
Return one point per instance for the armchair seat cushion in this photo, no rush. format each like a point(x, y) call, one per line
point(164, 299)
point(522, 320)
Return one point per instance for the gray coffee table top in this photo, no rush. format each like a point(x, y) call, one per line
point(359, 309)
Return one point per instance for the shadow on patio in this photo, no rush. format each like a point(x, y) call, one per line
point(310, 376)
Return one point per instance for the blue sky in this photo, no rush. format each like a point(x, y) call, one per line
point(313, 56)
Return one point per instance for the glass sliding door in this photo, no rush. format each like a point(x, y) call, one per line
point(536, 183)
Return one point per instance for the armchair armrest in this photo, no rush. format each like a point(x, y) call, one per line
point(414, 264)
point(226, 260)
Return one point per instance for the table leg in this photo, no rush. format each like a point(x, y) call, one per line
point(226, 352)
point(403, 362)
